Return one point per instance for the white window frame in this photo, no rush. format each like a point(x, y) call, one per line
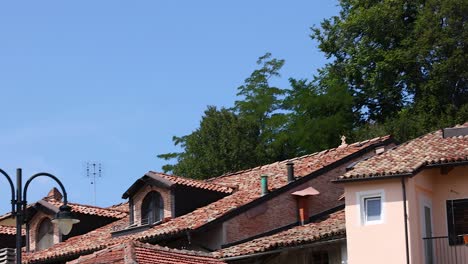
point(361, 197)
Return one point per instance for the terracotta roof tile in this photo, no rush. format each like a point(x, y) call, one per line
point(89, 209)
point(248, 184)
point(407, 158)
point(10, 230)
point(95, 240)
point(123, 207)
point(149, 254)
point(333, 226)
point(192, 182)
point(136, 252)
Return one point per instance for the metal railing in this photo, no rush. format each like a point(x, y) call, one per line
point(441, 250)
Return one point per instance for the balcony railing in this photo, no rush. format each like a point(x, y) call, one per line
point(439, 250)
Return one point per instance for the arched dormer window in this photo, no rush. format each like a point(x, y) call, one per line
point(45, 235)
point(152, 208)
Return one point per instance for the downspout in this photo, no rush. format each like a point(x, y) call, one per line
point(405, 214)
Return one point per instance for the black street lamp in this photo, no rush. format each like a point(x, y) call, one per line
point(63, 218)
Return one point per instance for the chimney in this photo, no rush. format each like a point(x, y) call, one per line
point(264, 184)
point(55, 194)
point(303, 203)
point(290, 166)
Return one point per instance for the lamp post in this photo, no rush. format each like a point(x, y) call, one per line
point(63, 218)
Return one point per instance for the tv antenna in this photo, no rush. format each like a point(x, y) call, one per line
point(93, 172)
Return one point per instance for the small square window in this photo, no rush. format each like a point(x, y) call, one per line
point(373, 209)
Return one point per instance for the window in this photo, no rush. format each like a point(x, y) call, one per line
point(457, 220)
point(45, 235)
point(152, 208)
point(371, 207)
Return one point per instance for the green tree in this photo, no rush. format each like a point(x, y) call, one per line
point(401, 61)
point(262, 104)
point(320, 112)
point(224, 142)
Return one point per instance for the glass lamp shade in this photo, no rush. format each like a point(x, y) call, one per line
point(65, 220)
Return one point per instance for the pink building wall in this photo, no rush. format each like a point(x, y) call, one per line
point(433, 187)
point(385, 242)
point(382, 243)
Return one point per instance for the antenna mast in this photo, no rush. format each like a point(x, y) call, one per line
point(93, 172)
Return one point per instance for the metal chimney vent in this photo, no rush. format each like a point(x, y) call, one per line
point(455, 132)
point(290, 166)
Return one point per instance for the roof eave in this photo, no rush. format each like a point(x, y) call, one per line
point(323, 241)
point(150, 179)
point(399, 175)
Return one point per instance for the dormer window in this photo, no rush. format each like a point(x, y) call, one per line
point(45, 235)
point(158, 196)
point(152, 208)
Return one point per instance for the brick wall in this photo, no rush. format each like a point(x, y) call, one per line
point(282, 209)
point(34, 227)
point(140, 195)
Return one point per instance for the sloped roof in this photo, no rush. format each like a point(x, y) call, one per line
point(123, 207)
point(168, 181)
point(136, 252)
point(248, 191)
point(89, 209)
point(53, 205)
point(95, 240)
point(10, 230)
point(406, 159)
point(192, 182)
point(330, 227)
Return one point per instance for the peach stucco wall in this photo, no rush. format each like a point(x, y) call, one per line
point(378, 243)
point(432, 187)
point(385, 242)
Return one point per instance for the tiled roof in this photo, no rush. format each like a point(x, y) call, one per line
point(192, 182)
point(9, 230)
point(101, 242)
point(123, 207)
point(407, 158)
point(95, 240)
point(116, 211)
point(89, 209)
point(248, 184)
point(136, 252)
point(149, 254)
point(330, 227)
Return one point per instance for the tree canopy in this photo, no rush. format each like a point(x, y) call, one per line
point(395, 67)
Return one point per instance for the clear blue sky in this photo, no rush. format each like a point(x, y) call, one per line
point(113, 81)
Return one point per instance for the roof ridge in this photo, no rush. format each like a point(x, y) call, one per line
point(84, 205)
point(411, 156)
point(175, 179)
point(182, 177)
point(375, 139)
